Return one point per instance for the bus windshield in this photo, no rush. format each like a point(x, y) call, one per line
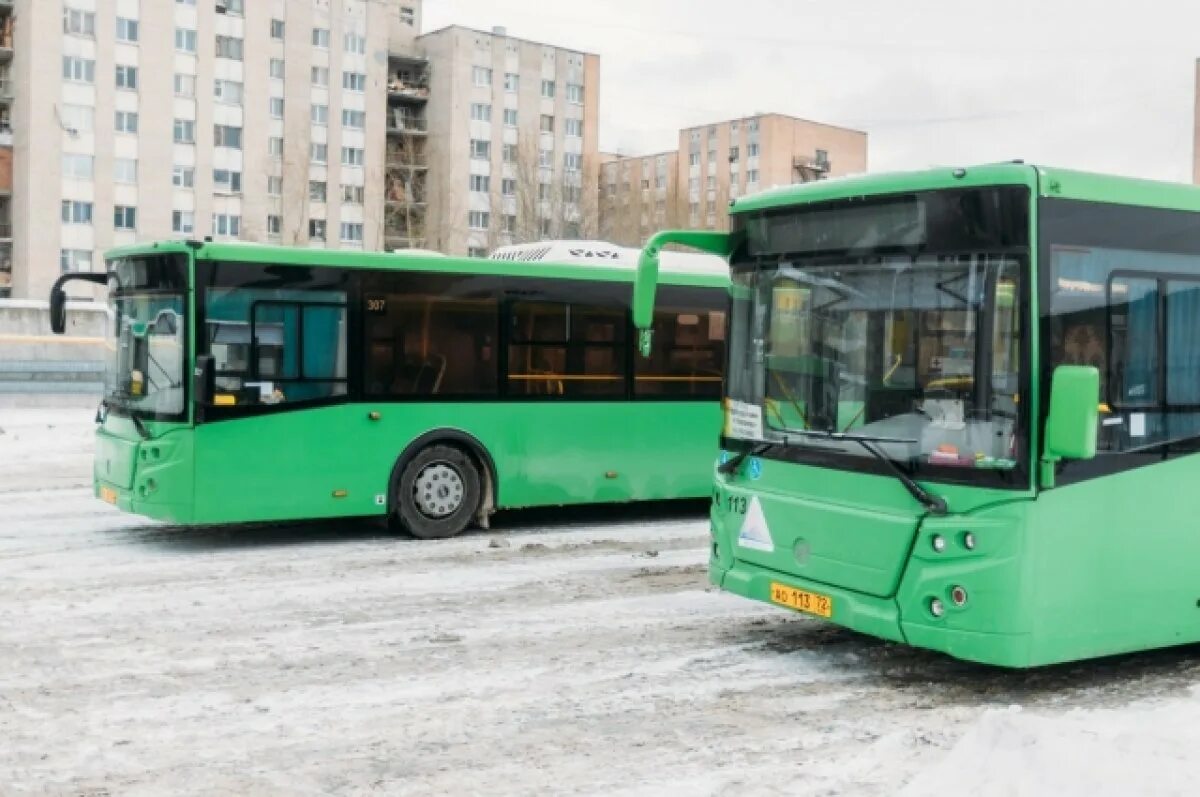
point(146, 337)
point(918, 351)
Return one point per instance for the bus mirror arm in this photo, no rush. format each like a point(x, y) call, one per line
point(645, 281)
point(58, 298)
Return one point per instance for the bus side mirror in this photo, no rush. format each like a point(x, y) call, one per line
point(202, 383)
point(1074, 412)
point(58, 310)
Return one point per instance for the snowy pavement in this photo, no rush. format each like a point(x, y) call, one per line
point(563, 652)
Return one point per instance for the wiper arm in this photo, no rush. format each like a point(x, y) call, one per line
point(140, 425)
point(733, 463)
point(934, 503)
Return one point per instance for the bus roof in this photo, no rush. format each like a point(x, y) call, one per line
point(238, 251)
point(1046, 181)
point(588, 252)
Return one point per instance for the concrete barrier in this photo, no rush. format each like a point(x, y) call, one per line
point(39, 368)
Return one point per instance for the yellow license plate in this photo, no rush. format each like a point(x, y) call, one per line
point(108, 494)
point(801, 600)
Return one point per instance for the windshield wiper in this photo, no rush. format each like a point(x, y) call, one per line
point(140, 425)
point(733, 463)
point(934, 503)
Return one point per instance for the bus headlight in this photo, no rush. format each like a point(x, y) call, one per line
point(936, 608)
point(969, 541)
point(938, 542)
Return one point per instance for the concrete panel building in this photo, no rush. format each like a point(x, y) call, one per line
point(494, 139)
point(716, 163)
point(260, 120)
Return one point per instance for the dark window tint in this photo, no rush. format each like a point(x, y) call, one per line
point(689, 346)
point(561, 349)
point(431, 335)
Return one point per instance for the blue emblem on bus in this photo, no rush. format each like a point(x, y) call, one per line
point(755, 468)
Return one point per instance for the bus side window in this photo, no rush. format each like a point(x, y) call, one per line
point(688, 354)
point(559, 349)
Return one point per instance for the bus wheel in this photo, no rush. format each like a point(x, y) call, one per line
point(438, 493)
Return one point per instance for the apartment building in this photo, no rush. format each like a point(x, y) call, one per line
point(493, 139)
point(255, 120)
point(691, 187)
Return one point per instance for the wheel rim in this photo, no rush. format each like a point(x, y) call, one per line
point(438, 490)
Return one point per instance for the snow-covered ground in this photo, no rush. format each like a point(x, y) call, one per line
point(564, 652)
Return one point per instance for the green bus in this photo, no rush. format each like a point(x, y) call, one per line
point(260, 383)
point(962, 409)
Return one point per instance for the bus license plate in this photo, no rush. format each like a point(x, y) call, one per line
point(108, 494)
point(802, 600)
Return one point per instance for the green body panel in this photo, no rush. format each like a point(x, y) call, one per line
point(1098, 567)
point(157, 479)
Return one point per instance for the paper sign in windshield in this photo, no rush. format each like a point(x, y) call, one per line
point(743, 421)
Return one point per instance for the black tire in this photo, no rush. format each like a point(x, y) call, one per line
point(438, 493)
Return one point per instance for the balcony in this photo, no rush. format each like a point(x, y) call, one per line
point(400, 165)
point(7, 90)
point(398, 124)
point(407, 92)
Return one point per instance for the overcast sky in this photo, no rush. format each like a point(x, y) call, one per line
point(1087, 84)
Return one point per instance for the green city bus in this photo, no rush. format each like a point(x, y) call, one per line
point(962, 408)
point(262, 383)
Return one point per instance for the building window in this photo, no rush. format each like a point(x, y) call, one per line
point(183, 177)
point(75, 260)
point(694, 159)
point(573, 161)
point(480, 149)
point(543, 192)
point(126, 122)
point(408, 16)
point(572, 194)
point(275, 107)
point(352, 232)
point(127, 77)
point(354, 120)
point(547, 88)
point(733, 154)
point(354, 81)
point(185, 85)
point(78, 167)
point(478, 219)
point(275, 225)
point(481, 76)
point(317, 191)
point(185, 40)
point(234, 8)
point(227, 92)
point(476, 251)
point(275, 146)
point(353, 194)
point(508, 186)
point(752, 176)
point(185, 131)
point(320, 76)
point(124, 217)
point(353, 156)
point(510, 117)
point(355, 43)
point(480, 183)
point(752, 149)
point(78, 118)
point(510, 153)
point(226, 136)
point(316, 229)
point(575, 93)
point(127, 30)
point(274, 186)
point(79, 70)
point(574, 128)
point(320, 115)
point(481, 112)
point(320, 38)
point(125, 170)
point(509, 222)
point(319, 153)
point(546, 124)
point(546, 158)
point(512, 82)
point(230, 47)
point(75, 212)
point(277, 28)
point(183, 221)
point(278, 70)
point(227, 182)
point(227, 226)
point(79, 23)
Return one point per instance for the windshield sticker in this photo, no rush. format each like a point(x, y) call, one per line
point(743, 420)
point(755, 534)
point(1137, 424)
